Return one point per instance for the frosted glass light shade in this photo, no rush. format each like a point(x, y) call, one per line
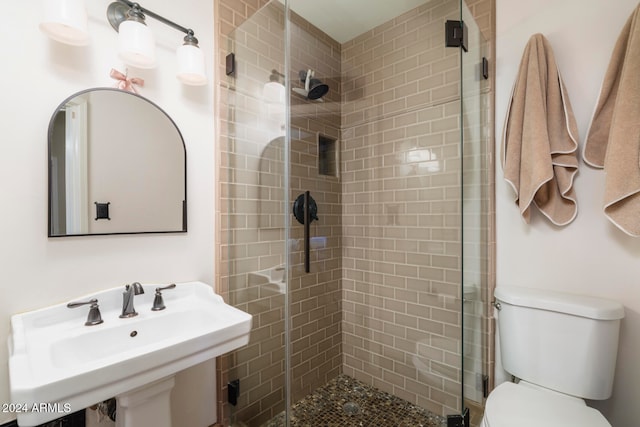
point(137, 46)
point(65, 21)
point(191, 69)
point(274, 92)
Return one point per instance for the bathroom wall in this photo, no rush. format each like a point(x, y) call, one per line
point(252, 236)
point(589, 256)
point(373, 103)
point(253, 210)
point(401, 195)
point(155, 166)
point(37, 271)
point(316, 297)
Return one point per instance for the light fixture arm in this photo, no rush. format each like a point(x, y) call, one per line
point(275, 76)
point(115, 22)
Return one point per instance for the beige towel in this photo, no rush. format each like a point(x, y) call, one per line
point(540, 137)
point(613, 138)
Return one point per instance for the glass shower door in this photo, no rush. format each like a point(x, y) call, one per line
point(253, 201)
point(475, 125)
point(394, 156)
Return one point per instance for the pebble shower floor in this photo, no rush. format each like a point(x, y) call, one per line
point(346, 402)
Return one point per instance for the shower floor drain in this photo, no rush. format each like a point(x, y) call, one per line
point(351, 408)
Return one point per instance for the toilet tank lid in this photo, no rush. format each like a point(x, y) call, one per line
point(578, 305)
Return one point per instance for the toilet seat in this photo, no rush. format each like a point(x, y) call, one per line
point(512, 405)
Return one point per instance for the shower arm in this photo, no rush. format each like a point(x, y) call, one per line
point(307, 80)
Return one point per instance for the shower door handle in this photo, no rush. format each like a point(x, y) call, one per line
point(307, 231)
point(305, 211)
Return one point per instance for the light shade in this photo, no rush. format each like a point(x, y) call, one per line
point(65, 21)
point(274, 92)
point(191, 69)
point(137, 46)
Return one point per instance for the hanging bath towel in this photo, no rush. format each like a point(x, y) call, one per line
point(539, 143)
point(613, 138)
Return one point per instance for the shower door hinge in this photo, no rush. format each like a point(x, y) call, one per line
point(459, 420)
point(230, 64)
point(485, 68)
point(233, 392)
point(455, 34)
point(485, 386)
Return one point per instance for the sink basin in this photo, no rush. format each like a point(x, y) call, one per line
point(55, 359)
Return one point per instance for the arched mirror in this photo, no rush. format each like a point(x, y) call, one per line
point(117, 165)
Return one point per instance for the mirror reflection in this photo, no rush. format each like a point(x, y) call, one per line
point(117, 165)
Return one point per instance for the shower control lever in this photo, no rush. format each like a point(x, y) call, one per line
point(299, 208)
point(305, 210)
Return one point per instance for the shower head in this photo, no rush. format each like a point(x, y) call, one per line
point(317, 89)
point(313, 88)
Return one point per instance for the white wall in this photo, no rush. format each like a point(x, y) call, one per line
point(589, 256)
point(37, 74)
point(138, 168)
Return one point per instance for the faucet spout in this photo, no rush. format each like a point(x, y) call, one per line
point(127, 299)
point(136, 288)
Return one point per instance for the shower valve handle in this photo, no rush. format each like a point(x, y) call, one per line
point(305, 211)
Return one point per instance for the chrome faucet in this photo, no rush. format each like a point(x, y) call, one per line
point(127, 299)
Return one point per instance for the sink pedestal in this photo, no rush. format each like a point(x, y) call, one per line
point(149, 405)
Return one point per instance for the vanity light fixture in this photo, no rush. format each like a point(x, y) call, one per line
point(274, 90)
point(137, 48)
point(136, 44)
point(191, 62)
point(65, 21)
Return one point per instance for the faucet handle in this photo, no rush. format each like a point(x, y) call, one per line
point(94, 317)
point(158, 302)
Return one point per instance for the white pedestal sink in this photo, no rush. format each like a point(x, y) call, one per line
point(58, 365)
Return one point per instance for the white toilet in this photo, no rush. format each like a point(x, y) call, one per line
point(561, 349)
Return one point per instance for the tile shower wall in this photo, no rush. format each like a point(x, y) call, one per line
point(316, 297)
point(253, 212)
point(250, 244)
point(386, 249)
point(401, 215)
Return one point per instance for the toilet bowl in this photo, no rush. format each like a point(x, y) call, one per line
point(562, 348)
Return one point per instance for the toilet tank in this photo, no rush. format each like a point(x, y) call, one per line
point(563, 342)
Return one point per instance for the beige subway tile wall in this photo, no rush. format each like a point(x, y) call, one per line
point(382, 301)
point(402, 205)
point(252, 235)
point(254, 208)
point(316, 298)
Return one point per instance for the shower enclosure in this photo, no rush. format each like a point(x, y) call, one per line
point(354, 222)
